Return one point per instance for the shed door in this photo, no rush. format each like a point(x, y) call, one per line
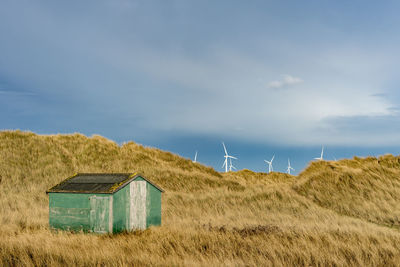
point(138, 205)
point(99, 222)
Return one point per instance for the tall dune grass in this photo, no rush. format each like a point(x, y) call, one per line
point(343, 213)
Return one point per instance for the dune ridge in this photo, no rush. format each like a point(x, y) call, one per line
point(334, 213)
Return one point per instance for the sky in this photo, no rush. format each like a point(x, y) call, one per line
point(282, 78)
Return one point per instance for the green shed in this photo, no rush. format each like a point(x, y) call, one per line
point(104, 203)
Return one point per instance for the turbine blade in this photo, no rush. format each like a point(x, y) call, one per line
point(226, 152)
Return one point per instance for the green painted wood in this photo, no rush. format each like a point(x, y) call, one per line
point(58, 211)
point(99, 214)
point(121, 210)
point(69, 200)
point(135, 206)
point(153, 203)
point(70, 223)
point(140, 179)
point(71, 211)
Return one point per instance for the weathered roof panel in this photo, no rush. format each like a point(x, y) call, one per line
point(106, 183)
point(99, 178)
point(84, 187)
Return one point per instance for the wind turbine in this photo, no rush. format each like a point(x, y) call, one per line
point(230, 165)
point(289, 167)
point(322, 154)
point(270, 169)
point(195, 157)
point(227, 156)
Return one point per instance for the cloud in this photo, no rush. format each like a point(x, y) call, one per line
point(380, 130)
point(287, 80)
point(184, 79)
point(378, 95)
point(14, 93)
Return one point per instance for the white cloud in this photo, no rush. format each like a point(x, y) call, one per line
point(287, 80)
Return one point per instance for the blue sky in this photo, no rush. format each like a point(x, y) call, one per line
point(266, 77)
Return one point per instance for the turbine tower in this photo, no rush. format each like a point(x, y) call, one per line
point(227, 156)
point(270, 169)
point(322, 154)
point(289, 167)
point(195, 157)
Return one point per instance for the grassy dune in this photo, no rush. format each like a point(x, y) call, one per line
point(334, 213)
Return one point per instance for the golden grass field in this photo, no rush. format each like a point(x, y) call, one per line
point(343, 213)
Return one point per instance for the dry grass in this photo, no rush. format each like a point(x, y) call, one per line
point(334, 213)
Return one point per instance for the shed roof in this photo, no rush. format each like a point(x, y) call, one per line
point(106, 183)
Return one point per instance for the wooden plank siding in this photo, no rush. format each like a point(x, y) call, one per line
point(100, 213)
point(153, 206)
point(69, 211)
point(121, 210)
point(137, 205)
point(80, 212)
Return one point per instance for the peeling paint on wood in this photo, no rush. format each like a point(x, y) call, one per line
point(98, 214)
point(69, 211)
point(128, 208)
point(134, 206)
point(110, 214)
point(138, 205)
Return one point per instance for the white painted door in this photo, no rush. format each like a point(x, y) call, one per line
point(138, 205)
